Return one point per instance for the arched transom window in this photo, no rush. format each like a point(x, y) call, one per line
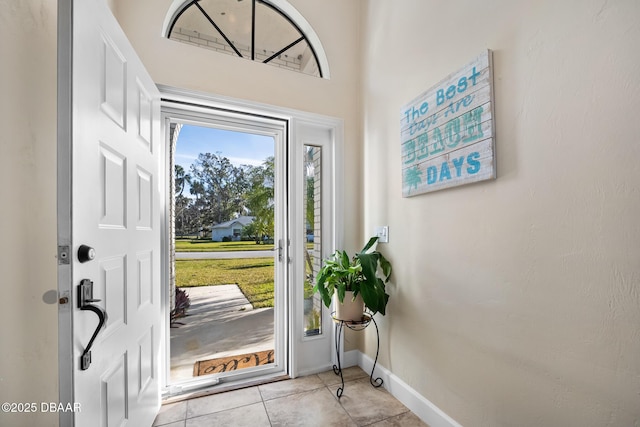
point(269, 31)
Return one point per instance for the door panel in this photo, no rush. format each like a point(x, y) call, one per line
point(313, 175)
point(241, 123)
point(114, 291)
point(115, 178)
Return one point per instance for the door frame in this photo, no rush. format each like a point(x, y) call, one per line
point(333, 236)
point(173, 98)
point(173, 112)
point(63, 197)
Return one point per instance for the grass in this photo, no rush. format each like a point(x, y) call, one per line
point(195, 245)
point(254, 276)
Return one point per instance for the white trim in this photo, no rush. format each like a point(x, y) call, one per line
point(236, 120)
point(283, 6)
point(65, 129)
point(248, 107)
point(177, 102)
point(176, 7)
point(316, 370)
point(418, 404)
point(312, 353)
point(313, 39)
point(351, 358)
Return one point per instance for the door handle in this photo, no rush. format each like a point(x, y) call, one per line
point(279, 249)
point(85, 298)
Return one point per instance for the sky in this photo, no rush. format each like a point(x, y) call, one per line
point(240, 148)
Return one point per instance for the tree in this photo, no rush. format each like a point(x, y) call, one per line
point(183, 215)
point(310, 181)
point(260, 198)
point(181, 179)
point(219, 187)
point(220, 191)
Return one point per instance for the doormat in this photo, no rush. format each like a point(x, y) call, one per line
point(232, 363)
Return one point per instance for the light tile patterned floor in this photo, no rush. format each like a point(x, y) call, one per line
point(305, 401)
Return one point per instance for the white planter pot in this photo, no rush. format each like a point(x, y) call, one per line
point(349, 309)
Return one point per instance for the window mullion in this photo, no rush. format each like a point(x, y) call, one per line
point(206, 15)
point(253, 30)
point(284, 49)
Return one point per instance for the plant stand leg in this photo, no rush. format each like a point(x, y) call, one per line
point(338, 369)
point(378, 381)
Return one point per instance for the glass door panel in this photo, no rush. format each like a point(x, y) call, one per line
point(227, 279)
point(312, 236)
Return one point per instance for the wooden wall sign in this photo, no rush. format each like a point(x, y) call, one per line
point(447, 133)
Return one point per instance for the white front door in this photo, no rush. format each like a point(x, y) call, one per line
point(110, 200)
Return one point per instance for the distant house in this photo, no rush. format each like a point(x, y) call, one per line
point(231, 229)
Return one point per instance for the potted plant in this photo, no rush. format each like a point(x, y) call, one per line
point(354, 278)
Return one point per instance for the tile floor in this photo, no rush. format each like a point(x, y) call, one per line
point(305, 401)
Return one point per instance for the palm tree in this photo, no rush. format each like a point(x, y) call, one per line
point(413, 177)
point(181, 179)
point(260, 197)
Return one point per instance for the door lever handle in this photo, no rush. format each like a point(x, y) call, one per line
point(279, 249)
point(85, 298)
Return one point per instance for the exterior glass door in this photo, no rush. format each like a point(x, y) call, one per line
point(227, 290)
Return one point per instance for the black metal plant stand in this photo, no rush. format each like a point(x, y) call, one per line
point(355, 326)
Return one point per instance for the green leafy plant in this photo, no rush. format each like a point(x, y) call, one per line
point(359, 274)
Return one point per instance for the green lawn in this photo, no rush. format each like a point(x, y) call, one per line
point(254, 276)
point(194, 245)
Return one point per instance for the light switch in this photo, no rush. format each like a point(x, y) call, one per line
point(383, 234)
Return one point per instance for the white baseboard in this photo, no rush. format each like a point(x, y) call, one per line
point(422, 407)
point(351, 358)
point(316, 370)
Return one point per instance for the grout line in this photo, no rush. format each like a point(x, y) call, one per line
point(266, 412)
point(224, 410)
point(342, 406)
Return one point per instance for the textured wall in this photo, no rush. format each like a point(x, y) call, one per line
point(28, 278)
point(515, 302)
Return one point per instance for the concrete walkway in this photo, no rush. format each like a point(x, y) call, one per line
point(220, 322)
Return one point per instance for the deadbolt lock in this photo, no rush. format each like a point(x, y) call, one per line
point(86, 253)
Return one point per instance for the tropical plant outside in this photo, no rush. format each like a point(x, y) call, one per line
point(182, 304)
point(220, 191)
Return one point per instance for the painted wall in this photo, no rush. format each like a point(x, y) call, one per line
point(515, 302)
point(28, 340)
point(28, 283)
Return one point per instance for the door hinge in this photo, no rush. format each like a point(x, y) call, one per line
point(64, 253)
